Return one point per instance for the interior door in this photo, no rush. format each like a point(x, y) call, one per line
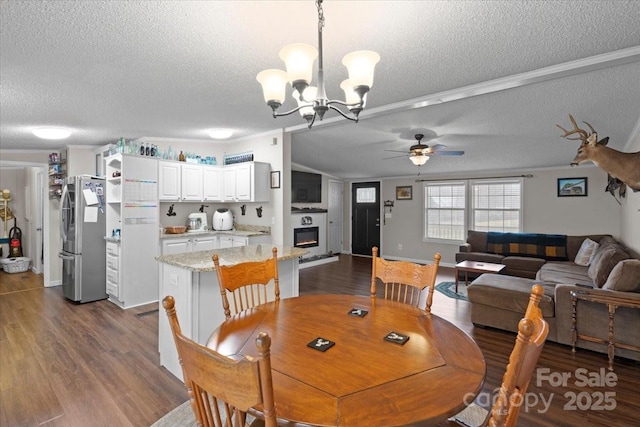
point(334, 213)
point(365, 219)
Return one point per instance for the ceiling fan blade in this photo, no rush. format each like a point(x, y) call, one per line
point(437, 147)
point(447, 153)
point(395, 157)
point(397, 151)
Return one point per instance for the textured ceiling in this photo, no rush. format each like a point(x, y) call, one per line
point(174, 69)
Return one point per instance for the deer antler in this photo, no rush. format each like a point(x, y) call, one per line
point(583, 133)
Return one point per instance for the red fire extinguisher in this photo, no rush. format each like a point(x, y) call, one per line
point(15, 241)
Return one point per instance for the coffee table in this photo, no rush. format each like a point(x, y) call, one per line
point(476, 267)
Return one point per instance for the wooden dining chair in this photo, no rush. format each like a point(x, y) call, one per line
point(404, 281)
point(532, 333)
point(222, 389)
point(247, 283)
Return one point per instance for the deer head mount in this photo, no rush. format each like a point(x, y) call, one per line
point(625, 167)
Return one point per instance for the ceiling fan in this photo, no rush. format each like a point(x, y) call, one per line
point(419, 153)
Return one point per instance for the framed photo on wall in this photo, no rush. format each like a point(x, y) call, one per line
point(404, 193)
point(572, 187)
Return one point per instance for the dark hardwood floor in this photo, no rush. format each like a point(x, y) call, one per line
point(65, 364)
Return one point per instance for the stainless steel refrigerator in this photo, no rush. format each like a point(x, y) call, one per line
point(82, 228)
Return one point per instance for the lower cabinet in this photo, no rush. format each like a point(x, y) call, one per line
point(208, 243)
point(113, 269)
point(180, 245)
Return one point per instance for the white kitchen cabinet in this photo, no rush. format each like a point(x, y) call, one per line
point(169, 181)
point(229, 241)
point(229, 183)
point(207, 243)
point(133, 208)
point(246, 182)
point(113, 269)
point(176, 246)
point(212, 183)
point(192, 184)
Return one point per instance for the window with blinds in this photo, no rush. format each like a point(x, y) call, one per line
point(496, 205)
point(445, 205)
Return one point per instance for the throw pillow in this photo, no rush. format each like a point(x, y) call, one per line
point(625, 276)
point(586, 252)
point(604, 260)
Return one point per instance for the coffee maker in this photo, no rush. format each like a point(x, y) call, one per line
point(197, 222)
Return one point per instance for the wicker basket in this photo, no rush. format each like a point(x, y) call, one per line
point(16, 265)
point(175, 230)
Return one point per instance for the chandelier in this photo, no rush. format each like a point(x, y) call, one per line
point(312, 101)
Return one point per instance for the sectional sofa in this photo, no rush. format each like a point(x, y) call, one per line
point(596, 264)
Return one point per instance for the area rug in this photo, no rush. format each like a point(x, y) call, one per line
point(182, 416)
point(449, 289)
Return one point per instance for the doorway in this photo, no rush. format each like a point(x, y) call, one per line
point(35, 212)
point(365, 218)
point(334, 214)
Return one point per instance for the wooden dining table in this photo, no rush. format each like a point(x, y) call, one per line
point(362, 379)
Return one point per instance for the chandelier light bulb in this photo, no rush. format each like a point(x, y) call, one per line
point(274, 83)
point(361, 65)
point(298, 59)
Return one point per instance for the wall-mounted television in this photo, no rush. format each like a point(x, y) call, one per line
point(306, 187)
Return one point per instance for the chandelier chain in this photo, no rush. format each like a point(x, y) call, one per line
point(320, 15)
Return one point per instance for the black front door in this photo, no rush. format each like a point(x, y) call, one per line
point(365, 222)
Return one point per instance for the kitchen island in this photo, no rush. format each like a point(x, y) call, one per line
point(191, 279)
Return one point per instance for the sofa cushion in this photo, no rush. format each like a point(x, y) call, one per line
point(624, 277)
point(586, 252)
point(607, 256)
point(522, 263)
point(510, 293)
point(566, 272)
point(479, 256)
point(547, 246)
point(477, 240)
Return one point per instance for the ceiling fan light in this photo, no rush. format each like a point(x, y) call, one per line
point(274, 83)
point(418, 160)
point(361, 65)
point(51, 133)
point(298, 59)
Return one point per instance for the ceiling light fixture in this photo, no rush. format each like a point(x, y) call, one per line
point(220, 133)
point(418, 159)
point(313, 101)
point(51, 133)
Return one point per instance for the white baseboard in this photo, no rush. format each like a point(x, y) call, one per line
point(318, 262)
point(53, 283)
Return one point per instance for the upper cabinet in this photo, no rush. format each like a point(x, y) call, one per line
point(246, 182)
point(169, 181)
point(212, 183)
point(242, 182)
point(192, 184)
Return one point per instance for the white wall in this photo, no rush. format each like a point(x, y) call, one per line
point(630, 218)
point(81, 160)
point(544, 212)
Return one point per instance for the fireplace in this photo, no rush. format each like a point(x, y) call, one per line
point(306, 237)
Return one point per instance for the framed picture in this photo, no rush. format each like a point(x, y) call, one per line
point(275, 179)
point(404, 193)
point(572, 187)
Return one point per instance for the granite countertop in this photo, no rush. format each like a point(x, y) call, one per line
point(203, 260)
point(244, 233)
